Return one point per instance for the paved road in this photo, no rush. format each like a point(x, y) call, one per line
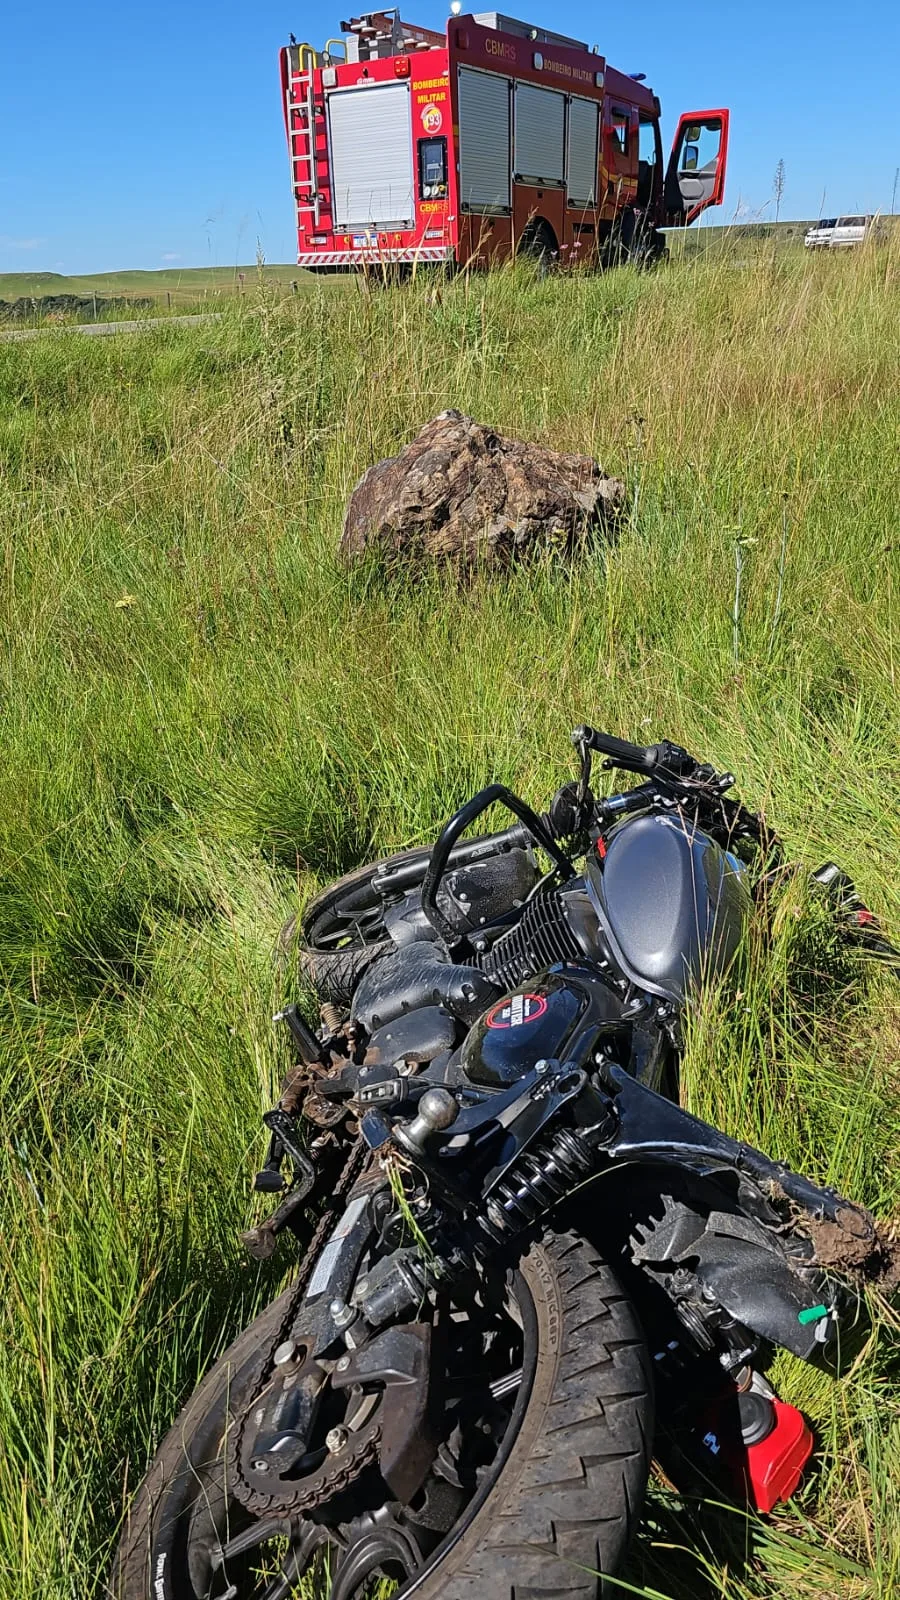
point(100, 329)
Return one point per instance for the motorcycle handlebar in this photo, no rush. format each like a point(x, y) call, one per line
point(650, 758)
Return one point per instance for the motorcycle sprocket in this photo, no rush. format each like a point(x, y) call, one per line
point(336, 1473)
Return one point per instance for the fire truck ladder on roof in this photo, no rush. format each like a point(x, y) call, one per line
point(383, 33)
point(305, 121)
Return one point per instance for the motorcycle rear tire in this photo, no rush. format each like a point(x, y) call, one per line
point(341, 931)
point(557, 1516)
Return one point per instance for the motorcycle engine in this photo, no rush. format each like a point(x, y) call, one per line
point(416, 1004)
point(561, 926)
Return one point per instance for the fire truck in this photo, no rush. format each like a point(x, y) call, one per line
point(490, 140)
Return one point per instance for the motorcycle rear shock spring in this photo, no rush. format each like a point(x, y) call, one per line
point(542, 1177)
point(538, 1180)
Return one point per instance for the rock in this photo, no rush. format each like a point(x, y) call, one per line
point(463, 492)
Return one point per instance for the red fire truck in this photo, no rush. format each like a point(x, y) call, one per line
point(494, 139)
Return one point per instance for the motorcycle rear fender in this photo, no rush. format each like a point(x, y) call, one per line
point(739, 1256)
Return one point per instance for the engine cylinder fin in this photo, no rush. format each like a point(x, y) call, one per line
point(541, 938)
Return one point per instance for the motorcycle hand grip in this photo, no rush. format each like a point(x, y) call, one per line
point(647, 758)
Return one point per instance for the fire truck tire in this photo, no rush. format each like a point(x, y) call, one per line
point(385, 274)
point(655, 252)
point(631, 242)
point(538, 244)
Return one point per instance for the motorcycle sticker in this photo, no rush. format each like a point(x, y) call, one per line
point(516, 1011)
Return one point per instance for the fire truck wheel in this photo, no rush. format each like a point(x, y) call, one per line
point(538, 244)
point(654, 252)
point(385, 275)
point(633, 241)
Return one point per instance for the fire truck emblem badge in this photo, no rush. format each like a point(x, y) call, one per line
point(432, 119)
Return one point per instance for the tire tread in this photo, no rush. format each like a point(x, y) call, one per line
point(535, 1548)
point(568, 1499)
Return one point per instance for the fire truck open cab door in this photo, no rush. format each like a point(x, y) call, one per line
point(695, 176)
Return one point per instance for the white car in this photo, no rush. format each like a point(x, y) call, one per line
point(836, 233)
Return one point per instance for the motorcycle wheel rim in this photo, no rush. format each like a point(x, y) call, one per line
point(229, 1555)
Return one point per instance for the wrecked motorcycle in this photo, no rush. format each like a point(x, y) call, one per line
point(523, 1244)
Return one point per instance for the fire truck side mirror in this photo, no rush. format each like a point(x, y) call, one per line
point(690, 158)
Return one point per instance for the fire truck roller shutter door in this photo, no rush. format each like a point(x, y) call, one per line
point(484, 129)
point(370, 139)
point(581, 166)
point(540, 134)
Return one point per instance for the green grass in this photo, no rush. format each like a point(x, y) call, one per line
point(204, 716)
point(194, 288)
point(170, 289)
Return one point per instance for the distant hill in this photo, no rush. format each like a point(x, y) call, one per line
point(170, 286)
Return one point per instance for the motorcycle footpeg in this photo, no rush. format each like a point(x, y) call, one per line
point(260, 1241)
point(284, 1129)
point(268, 1181)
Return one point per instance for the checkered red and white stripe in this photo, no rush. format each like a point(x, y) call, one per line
point(372, 257)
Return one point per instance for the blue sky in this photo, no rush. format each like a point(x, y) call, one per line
point(155, 139)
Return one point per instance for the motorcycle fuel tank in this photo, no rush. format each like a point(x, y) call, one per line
point(671, 902)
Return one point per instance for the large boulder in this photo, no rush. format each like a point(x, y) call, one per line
point(463, 492)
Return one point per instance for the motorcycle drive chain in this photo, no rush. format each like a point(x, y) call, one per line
point(337, 1473)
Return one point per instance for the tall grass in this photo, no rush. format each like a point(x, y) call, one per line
point(204, 716)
